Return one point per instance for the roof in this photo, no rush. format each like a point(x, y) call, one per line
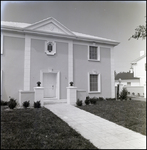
point(14, 24)
point(26, 26)
point(125, 76)
point(139, 58)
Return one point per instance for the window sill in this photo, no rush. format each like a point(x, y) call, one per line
point(94, 92)
point(52, 53)
point(94, 60)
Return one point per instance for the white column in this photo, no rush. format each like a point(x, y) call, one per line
point(39, 94)
point(27, 63)
point(71, 95)
point(70, 61)
point(1, 43)
point(112, 74)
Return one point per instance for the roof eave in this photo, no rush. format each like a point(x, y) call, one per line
point(138, 59)
point(114, 43)
point(74, 37)
point(128, 79)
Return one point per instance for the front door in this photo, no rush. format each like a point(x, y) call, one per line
point(49, 84)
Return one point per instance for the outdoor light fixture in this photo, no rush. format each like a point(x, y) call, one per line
point(131, 69)
point(119, 80)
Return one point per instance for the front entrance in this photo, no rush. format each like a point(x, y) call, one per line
point(50, 85)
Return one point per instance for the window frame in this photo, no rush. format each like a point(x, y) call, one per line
point(98, 83)
point(98, 53)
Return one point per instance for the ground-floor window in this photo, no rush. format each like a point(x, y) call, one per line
point(94, 83)
point(128, 83)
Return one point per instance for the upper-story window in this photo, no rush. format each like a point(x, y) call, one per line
point(94, 53)
point(50, 48)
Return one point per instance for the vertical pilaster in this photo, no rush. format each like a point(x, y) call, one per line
point(70, 61)
point(1, 43)
point(112, 74)
point(27, 63)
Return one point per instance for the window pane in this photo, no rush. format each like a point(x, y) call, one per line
point(93, 82)
point(93, 52)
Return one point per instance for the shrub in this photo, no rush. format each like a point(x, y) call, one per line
point(26, 104)
point(93, 100)
point(87, 101)
point(101, 98)
point(79, 102)
point(138, 94)
point(133, 93)
point(12, 103)
point(37, 104)
point(4, 103)
point(87, 97)
point(123, 94)
point(110, 99)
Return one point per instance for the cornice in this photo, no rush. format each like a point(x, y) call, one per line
point(71, 37)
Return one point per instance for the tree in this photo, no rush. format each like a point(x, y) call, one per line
point(140, 32)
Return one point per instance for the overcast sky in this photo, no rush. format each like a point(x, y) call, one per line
point(114, 20)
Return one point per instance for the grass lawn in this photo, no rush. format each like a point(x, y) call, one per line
point(130, 114)
point(38, 129)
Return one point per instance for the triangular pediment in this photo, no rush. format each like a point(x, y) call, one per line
point(50, 25)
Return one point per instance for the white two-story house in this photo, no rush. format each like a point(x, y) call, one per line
point(49, 52)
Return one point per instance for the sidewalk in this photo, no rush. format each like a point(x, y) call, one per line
point(102, 133)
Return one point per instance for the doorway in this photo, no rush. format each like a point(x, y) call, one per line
point(50, 85)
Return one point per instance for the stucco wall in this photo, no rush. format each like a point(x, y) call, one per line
point(82, 66)
point(59, 61)
point(135, 82)
point(135, 89)
point(12, 67)
point(139, 70)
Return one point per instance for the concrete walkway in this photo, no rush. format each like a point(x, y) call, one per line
point(102, 133)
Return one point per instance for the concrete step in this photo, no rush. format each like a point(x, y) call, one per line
point(54, 101)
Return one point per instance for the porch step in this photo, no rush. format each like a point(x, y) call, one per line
point(54, 101)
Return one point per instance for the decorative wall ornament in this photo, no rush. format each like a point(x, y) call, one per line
point(50, 48)
point(94, 72)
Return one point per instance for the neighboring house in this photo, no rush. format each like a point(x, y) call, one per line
point(49, 52)
point(127, 78)
point(139, 69)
